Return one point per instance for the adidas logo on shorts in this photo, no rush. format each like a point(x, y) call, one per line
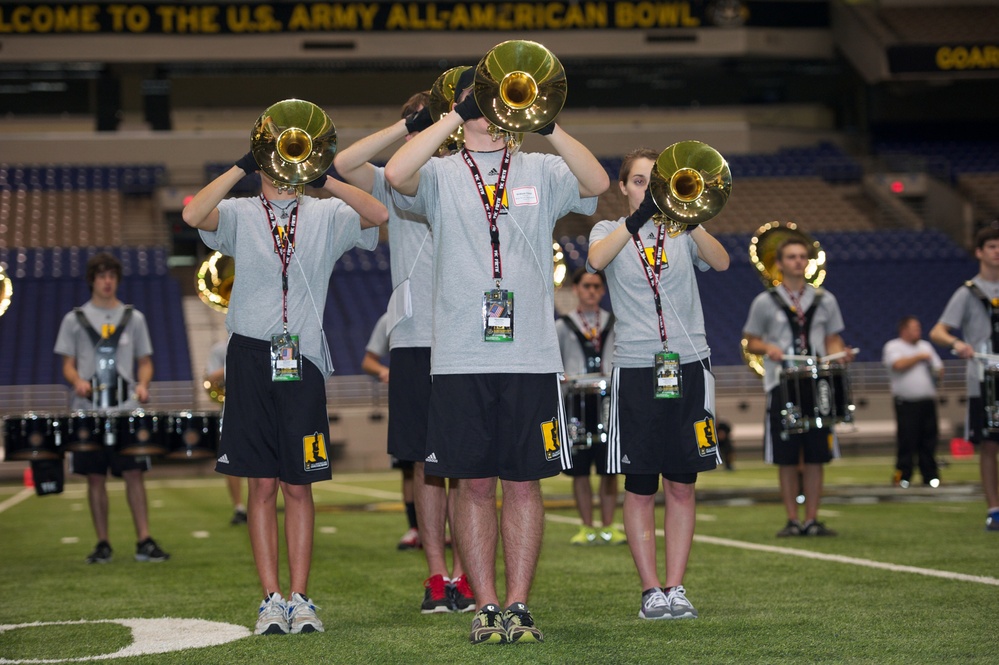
point(224, 459)
point(432, 458)
point(625, 460)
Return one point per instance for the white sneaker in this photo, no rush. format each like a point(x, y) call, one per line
point(654, 605)
point(302, 615)
point(272, 617)
point(679, 606)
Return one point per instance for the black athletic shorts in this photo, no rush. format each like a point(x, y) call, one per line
point(660, 436)
point(409, 403)
point(101, 461)
point(816, 446)
point(509, 426)
point(585, 459)
point(272, 429)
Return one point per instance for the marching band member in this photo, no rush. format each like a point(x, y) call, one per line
point(795, 318)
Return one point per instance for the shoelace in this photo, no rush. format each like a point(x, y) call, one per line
point(677, 595)
point(523, 619)
point(461, 584)
point(657, 600)
point(437, 586)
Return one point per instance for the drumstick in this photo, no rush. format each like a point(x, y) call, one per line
point(799, 357)
point(840, 354)
point(987, 357)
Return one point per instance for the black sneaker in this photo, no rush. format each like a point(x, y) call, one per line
point(101, 553)
point(792, 528)
point(519, 624)
point(148, 550)
point(816, 528)
point(238, 517)
point(436, 598)
point(460, 593)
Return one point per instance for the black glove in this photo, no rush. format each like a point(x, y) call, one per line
point(468, 109)
point(248, 164)
point(320, 182)
point(417, 122)
point(547, 129)
point(645, 211)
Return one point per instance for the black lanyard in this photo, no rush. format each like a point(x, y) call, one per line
point(493, 210)
point(284, 247)
point(652, 273)
point(799, 312)
point(590, 332)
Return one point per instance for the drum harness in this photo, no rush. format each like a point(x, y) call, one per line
point(105, 349)
point(991, 308)
point(592, 345)
point(801, 323)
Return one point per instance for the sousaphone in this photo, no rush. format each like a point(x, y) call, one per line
point(520, 87)
point(293, 142)
point(6, 290)
point(442, 99)
point(690, 183)
point(214, 284)
point(763, 255)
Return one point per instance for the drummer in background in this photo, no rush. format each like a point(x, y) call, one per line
point(215, 377)
point(795, 318)
point(974, 311)
point(586, 340)
point(107, 359)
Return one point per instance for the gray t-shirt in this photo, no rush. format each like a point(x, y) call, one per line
point(769, 322)
point(216, 357)
point(573, 356)
point(540, 190)
point(966, 313)
point(326, 229)
point(378, 343)
point(917, 381)
point(73, 341)
point(411, 249)
point(636, 332)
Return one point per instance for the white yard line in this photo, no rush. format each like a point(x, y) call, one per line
point(16, 499)
point(821, 556)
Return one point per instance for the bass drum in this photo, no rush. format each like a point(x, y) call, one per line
point(192, 435)
point(32, 436)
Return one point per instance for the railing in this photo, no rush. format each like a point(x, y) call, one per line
point(360, 391)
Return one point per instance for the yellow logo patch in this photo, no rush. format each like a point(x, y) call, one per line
point(314, 452)
point(553, 445)
point(650, 256)
point(707, 440)
point(491, 193)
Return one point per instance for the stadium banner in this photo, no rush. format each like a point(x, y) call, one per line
point(241, 18)
point(944, 58)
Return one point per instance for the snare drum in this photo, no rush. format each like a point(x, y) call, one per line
point(587, 407)
point(193, 435)
point(990, 398)
point(813, 397)
point(842, 393)
point(32, 436)
point(139, 432)
point(86, 431)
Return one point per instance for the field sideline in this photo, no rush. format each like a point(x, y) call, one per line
point(911, 578)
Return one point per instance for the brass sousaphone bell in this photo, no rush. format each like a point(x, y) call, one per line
point(763, 255)
point(442, 94)
point(293, 142)
point(214, 284)
point(6, 290)
point(520, 87)
point(690, 183)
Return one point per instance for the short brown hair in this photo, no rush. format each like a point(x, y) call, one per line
point(99, 263)
point(779, 255)
point(987, 233)
point(414, 103)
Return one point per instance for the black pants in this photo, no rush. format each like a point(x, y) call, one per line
point(917, 435)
